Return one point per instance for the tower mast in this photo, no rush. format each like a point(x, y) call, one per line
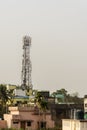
point(26, 64)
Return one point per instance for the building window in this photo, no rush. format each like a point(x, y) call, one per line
point(86, 105)
point(42, 124)
point(29, 123)
point(15, 122)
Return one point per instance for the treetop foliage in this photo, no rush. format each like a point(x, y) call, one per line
point(66, 97)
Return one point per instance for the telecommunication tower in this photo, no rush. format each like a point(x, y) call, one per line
point(26, 64)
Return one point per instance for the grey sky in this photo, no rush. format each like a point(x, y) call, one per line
point(59, 43)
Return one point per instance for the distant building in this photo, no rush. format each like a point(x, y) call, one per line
point(44, 94)
point(85, 107)
point(79, 122)
point(74, 124)
point(28, 118)
point(3, 124)
point(10, 87)
point(20, 100)
point(19, 92)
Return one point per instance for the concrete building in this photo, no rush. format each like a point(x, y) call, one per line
point(79, 123)
point(28, 118)
point(85, 107)
point(3, 124)
point(71, 124)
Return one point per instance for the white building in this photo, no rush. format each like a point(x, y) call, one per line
point(85, 104)
point(74, 124)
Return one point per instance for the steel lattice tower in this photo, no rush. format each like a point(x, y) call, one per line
point(26, 64)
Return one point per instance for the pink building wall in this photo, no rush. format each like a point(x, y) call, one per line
point(27, 117)
point(3, 124)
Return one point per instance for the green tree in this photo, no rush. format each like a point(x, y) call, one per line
point(42, 105)
point(74, 98)
point(5, 96)
point(60, 95)
point(41, 102)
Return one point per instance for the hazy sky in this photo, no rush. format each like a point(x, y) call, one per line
point(59, 43)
